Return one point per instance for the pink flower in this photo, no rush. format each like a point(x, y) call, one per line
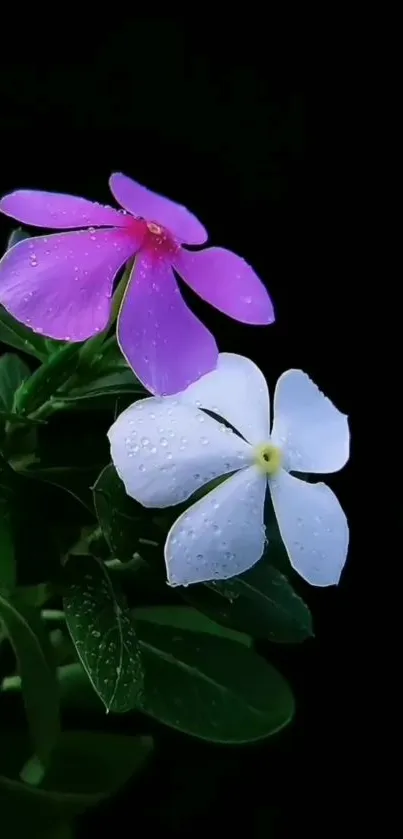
point(61, 285)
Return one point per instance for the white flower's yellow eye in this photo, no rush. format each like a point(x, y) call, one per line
point(268, 458)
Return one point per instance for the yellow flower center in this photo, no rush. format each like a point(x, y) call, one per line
point(268, 458)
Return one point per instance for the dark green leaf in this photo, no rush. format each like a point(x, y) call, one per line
point(38, 678)
point(7, 556)
point(261, 602)
point(190, 619)
point(8, 479)
point(44, 383)
point(111, 384)
point(126, 525)
point(16, 335)
point(17, 419)
point(76, 480)
point(86, 767)
point(13, 372)
point(110, 356)
point(210, 687)
point(103, 633)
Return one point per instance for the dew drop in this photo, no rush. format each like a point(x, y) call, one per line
point(164, 442)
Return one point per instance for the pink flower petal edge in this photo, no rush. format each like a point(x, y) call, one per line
point(57, 211)
point(162, 340)
point(61, 285)
point(140, 201)
point(227, 282)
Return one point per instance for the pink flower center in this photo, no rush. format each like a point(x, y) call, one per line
point(157, 242)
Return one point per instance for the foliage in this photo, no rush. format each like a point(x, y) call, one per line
point(86, 618)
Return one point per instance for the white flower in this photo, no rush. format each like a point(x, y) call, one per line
point(166, 448)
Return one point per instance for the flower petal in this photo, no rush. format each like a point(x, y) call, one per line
point(313, 527)
point(163, 341)
point(313, 434)
point(58, 211)
point(227, 282)
point(237, 391)
point(220, 536)
point(61, 285)
point(163, 451)
point(142, 202)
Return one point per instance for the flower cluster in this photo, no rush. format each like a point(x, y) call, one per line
point(167, 446)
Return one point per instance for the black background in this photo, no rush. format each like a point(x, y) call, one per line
point(218, 117)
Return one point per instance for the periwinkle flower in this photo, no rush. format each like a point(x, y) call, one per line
point(165, 449)
point(62, 284)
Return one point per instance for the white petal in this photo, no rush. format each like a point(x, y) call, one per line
point(220, 536)
point(163, 451)
point(313, 527)
point(237, 391)
point(313, 434)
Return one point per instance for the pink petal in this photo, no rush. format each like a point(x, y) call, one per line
point(58, 211)
point(227, 282)
point(163, 341)
point(61, 285)
point(155, 208)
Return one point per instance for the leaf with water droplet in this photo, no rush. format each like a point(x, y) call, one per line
point(36, 669)
point(103, 633)
point(261, 602)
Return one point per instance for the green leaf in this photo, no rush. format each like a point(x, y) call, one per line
point(127, 526)
point(261, 603)
point(13, 372)
point(77, 481)
point(210, 687)
point(44, 382)
point(205, 686)
point(7, 556)
point(17, 235)
point(35, 665)
point(8, 479)
point(190, 619)
point(15, 334)
point(110, 384)
point(86, 768)
point(103, 633)
point(17, 419)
